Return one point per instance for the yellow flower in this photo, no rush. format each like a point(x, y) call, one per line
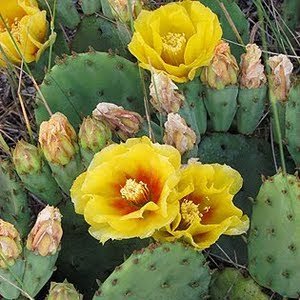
point(28, 26)
point(206, 207)
point(177, 38)
point(129, 190)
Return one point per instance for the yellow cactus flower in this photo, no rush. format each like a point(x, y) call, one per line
point(177, 38)
point(206, 207)
point(129, 190)
point(28, 27)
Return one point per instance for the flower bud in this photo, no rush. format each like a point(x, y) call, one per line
point(27, 158)
point(252, 70)
point(178, 134)
point(10, 244)
point(94, 134)
point(280, 78)
point(223, 69)
point(44, 238)
point(58, 139)
point(165, 94)
point(63, 291)
point(124, 122)
point(120, 9)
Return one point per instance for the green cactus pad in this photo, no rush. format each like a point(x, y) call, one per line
point(232, 150)
point(221, 106)
point(90, 7)
point(274, 240)
point(13, 199)
point(251, 108)
point(166, 271)
point(78, 83)
point(101, 34)
point(8, 279)
point(292, 128)
point(281, 110)
point(38, 270)
point(231, 284)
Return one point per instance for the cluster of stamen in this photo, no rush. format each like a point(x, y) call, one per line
point(190, 211)
point(134, 191)
point(173, 46)
point(13, 28)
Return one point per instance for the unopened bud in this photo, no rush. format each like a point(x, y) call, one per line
point(94, 134)
point(165, 94)
point(58, 139)
point(280, 78)
point(252, 70)
point(27, 158)
point(223, 69)
point(63, 291)
point(178, 134)
point(120, 9)
point(10, 244)
point(124, 122)
point(44, 238)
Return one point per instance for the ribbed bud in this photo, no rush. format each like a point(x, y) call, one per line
point(63, 291)
point(280, 78)
point(178, 134)
point(44, 238)
point(223, 69)
point(27, 158)
point(252, 70)
point(120, 9)
point(58, 139)
point(124, 122)
point(165, 94)
point(94, 134)
point(10, 244)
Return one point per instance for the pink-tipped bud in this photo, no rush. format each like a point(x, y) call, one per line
point(252, 70)
point(223, 69)
point(124, 122)
point(178, 134)
point(45, 236)
point(10, 244)
point(58, 139)
point(166, 98)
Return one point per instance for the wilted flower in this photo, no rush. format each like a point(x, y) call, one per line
point(63, 291)
point(223, 69)
point(177, 38)
point(58, 139)
point(252, 70)
point(27, 158)
point(44, 238)
point(121, 11)
point(124, 122)
point(128, 190)
point(206, 207)
point(94, 134)
point(178, 134)
point(165, 94)
point(280, 81)
point(10, 244)
point(28, 27)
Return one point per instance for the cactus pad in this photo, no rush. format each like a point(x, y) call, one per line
point(166, 271)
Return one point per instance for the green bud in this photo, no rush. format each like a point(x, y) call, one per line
point(63, 291)
point(94, 135)
point(27, 158)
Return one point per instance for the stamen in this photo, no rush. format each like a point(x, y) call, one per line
point(189, 211)
point(173, 47)
point(134, 191)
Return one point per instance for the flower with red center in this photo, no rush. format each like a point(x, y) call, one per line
point(206, 207)
point(129, 190)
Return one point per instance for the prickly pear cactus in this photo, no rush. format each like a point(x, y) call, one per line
point(162, 271)
point(274, 240)
point(231, 284)
point(94, 77)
